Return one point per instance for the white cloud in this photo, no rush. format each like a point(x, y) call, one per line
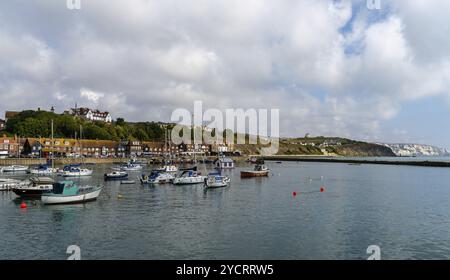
point(143, 59)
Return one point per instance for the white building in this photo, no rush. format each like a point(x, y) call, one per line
point(93, 115)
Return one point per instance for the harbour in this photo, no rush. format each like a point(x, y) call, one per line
point(252, 218)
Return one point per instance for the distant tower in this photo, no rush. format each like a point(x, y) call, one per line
point(52, 110)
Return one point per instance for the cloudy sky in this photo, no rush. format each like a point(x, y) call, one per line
point(331, 67)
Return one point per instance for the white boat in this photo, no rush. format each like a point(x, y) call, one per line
point(8, 184)
point(43, 170)
point(14, 168)
point(77, 172)
point(34, 187)
point(116, 175)
point(168, 168)
point(157, 177)
point(131, 167)
point(189, 177)
point(66, 192)
point(215, 180)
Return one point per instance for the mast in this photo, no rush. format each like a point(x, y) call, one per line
point(53, 165)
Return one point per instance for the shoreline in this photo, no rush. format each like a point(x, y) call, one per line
point(334, 159)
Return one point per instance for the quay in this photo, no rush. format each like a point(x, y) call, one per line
point(357, 161)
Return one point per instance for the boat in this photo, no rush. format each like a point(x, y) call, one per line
point(77, 172)
point(189, 177)
point(216, 180)
point(14, 168)
point(260, 170)
point(194, 168)
point(128, 182)
point(43, 170)
point(116, 175)
point(67, 192)
point(8, 184)
point(168, 168)
point(157, 177)
point(34, 187)
point(131, 167)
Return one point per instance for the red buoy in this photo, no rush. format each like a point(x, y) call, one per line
point(23, 205)
point(322, 189)
point(294, 194)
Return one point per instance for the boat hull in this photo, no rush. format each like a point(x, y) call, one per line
point(61, 199)
point(251, 174)
point(28, 193)
point(189, 180)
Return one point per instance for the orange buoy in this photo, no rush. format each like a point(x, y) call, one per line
point(23, 205)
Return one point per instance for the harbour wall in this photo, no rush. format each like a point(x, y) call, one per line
point(358, 161)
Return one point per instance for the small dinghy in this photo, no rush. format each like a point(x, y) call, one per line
point(67, 192)
point(116, 175)
point(128, 182)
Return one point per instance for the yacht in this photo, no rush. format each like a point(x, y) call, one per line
point(157, 177)
point(14, 168)
point(189, 177)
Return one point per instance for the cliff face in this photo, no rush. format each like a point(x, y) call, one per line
point(364, 149)
point(408, 150)
point(324, 146)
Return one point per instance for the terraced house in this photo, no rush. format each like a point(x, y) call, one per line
point(43, 147)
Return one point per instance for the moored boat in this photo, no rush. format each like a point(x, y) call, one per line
point(43, 170)
point(259, 171)
point(157, 177)
point(168, 169)
point(7, 184)
point(67, 192)
point(34, 187)
point(14, 168)
point(189, 177)
point(216, 180)
point(116, 175)
point(77, 172)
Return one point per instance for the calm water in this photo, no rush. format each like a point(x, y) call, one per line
point(405, 210)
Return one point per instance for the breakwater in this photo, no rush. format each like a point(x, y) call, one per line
point(424, 163)
point(58, 161)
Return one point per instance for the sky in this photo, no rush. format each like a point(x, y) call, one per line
point(333, 68)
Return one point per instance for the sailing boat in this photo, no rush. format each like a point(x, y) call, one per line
point(190, 176)
point(74, 171)
point(44, 169)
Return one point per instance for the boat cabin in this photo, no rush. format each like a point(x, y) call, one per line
point(224, 163)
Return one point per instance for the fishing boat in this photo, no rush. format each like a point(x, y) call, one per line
point(189, 177)
point(77, 172)
point(34, 187)
point(116, 175)
point(260, 170)
point(14, 168)
point(7, 184)
point(67, 192)
point(157, 177)
point(216, 180)
point(43, 170)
